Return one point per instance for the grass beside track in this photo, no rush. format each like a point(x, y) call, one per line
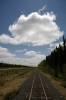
point(11, 80)
point(58, 84)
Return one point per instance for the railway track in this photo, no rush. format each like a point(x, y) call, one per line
point(38, 89)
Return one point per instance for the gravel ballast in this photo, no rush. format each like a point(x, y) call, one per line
point(25, 89)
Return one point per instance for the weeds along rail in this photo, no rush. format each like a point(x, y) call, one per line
point(38, 90)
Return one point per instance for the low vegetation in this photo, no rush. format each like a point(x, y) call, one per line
point(11, 79)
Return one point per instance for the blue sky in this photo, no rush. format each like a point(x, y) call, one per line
point(30, 29)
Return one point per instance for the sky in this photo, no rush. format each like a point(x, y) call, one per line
point(30, 29)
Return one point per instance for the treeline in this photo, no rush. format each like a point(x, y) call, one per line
point(5, 65)
point(55, 63)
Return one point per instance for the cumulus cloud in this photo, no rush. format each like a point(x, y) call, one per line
point(33, 61)
point(21, 50)
point(30, 53)
point(4, 52)
point(34, 29)
point(11, 60)
point(36, 59)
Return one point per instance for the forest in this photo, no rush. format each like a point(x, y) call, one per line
point(55, 63)
point(5, 65)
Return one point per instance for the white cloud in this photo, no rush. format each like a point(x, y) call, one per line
point(34, 60)
point(21, 50)
point(30, 53)
point(54, 45)
point(34, 29)
point(11, 60)
point(42, 9)
point(5, 39)
point(3, 49)
point(4, 52)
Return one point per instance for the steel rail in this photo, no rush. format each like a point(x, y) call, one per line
point(43, 88)
point(32, 88)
